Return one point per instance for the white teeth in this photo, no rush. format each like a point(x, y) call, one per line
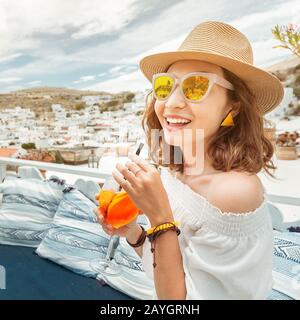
point(176, 120)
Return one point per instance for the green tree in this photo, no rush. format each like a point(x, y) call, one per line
point(28, 146)
point(297, 92)
point(139, 113)
point(79, 106)
point(289, 36)
point(112, 103)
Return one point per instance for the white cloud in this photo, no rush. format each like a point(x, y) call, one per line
point(171, 45)
point(103, 17)
point(35, 83)
point(10, 80)
point(121, 69)
point(116, 69)
point(85, 79)
point(259, 24)
point(25, 26)
point(10, 57)
point(52, 32)
point(288, 11)
point(133, 81)
point(21, 21)
point(264, 54)
point(164, 27)
point(252, 23)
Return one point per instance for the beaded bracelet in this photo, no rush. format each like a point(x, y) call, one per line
point(162, 226)
point(156, 233)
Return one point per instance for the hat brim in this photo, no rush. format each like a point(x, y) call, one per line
point(267, 89)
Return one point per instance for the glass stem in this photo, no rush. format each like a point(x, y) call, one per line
point(113, 243)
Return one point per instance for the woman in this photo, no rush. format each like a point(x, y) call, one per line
point(225, 247)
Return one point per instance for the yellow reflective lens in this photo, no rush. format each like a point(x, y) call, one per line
point(195, 87)
point(163, 86)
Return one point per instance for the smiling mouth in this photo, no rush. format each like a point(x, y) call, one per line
point(171, 126)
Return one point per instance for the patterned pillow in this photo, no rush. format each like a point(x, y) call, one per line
point(286, 264)
point(77, 238)
point(88, 187)
point(27, 208)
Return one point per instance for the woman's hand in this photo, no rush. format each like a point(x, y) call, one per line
point(126, 231)
point(144, 186)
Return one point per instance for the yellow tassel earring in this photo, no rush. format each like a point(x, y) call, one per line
point(228, 121)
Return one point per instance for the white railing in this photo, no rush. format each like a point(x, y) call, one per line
point(98, 173)
point(87, 172)
point(293, 201)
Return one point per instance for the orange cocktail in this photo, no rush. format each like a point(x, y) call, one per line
point(117, 208)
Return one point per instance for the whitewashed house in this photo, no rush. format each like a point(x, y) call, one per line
point(91, 100)
point(280, 110)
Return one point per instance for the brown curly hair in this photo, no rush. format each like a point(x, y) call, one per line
point(242, 147)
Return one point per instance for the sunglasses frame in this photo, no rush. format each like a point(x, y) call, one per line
point(212, 78)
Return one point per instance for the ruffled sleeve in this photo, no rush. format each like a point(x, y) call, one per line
point(229, 266)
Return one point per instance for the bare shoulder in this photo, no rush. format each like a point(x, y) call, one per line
point(236, 192)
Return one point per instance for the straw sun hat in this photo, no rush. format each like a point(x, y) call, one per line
point(221, 44)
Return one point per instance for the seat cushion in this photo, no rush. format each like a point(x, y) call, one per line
point(76, 239)
point(29, 277)
point(286, 264)
point(27, 209)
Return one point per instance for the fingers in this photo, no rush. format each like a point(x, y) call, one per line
point(127, 174)
point(144, 164)
point(125, 184)
point(98, 215)
point(110, 230)
point(133, 167)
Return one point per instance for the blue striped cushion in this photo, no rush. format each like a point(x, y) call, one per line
point(27, 209)
point(77, 238)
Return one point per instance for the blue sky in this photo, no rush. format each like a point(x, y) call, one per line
point(97, 44)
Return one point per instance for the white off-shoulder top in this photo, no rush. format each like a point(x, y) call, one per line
point(225, 255)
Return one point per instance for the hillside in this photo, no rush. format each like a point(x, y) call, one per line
point(56, 91)
point(284, 65)
point(40, 99)
point(288, 71)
